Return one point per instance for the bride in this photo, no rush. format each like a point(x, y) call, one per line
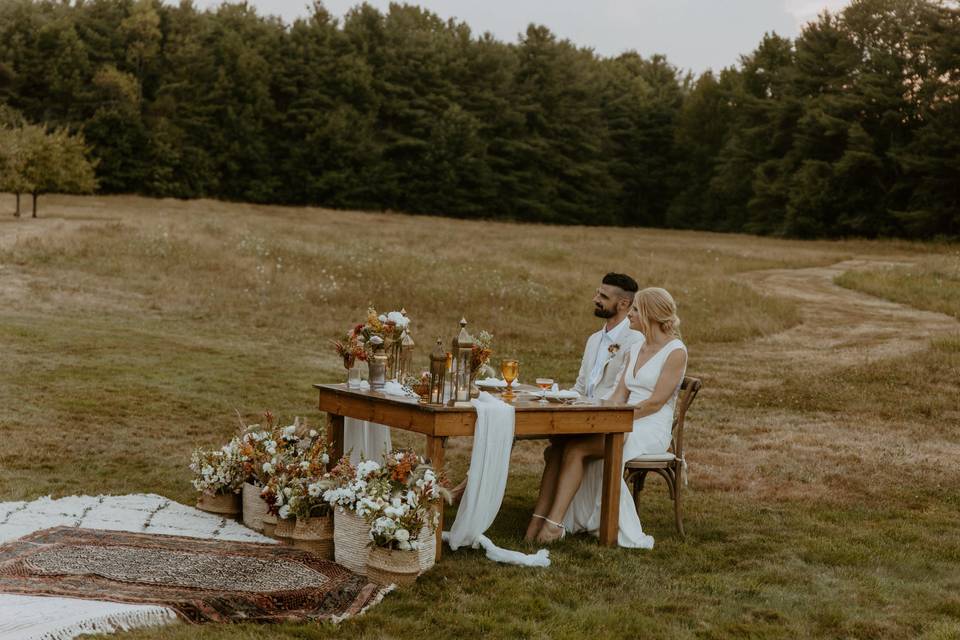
point(570, 489)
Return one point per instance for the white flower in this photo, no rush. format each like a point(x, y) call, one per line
point(284, 512)
point(404, 545)
point(287, 491)
point(325, 458)
point(305, 465)
point(289, 431)
point(382, 318)
point(367, 467)
point(267, 468)
point(402, 535)
point(398, 319)
point(314, 490)
point(313, 433)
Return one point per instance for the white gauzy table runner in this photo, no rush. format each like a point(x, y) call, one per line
point(487, 479)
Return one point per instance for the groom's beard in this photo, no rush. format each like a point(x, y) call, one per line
point(606, 314)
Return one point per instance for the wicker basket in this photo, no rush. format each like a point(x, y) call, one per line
point(226, 504)
point(351, 534)
point(269, 524)
point(315, 535)
point(388, 566)
point(254, 507)
point(284, 530)
point(427, 553)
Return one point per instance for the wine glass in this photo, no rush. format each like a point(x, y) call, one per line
point(510, 369)
point(544, 384)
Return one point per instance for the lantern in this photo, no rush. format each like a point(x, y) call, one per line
point(438, 372)
point(462, 358)
point(406, 357)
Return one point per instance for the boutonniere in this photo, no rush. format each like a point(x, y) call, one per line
point(613, 349)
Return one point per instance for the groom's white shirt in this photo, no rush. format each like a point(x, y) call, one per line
point(600, 367)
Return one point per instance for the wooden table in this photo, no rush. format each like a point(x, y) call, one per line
point(533, 420)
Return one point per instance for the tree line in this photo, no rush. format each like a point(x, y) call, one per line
point(850, 129)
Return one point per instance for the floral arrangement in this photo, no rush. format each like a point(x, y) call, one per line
point(351, 348)
point(218, 471)
point(482, 350)
point(298, 483)
point(271, 450)
point(367, 337)
point(395, 498)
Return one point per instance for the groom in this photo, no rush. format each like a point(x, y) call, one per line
point(603, 358)
point(607, 349)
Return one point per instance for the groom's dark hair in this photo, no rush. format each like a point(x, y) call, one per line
point(621, 280)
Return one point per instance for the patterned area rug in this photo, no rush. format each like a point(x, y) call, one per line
point(202, 580)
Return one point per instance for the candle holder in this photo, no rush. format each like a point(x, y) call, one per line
point(462, 361)
point(438, 373)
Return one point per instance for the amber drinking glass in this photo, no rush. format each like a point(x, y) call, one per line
point(510, 369)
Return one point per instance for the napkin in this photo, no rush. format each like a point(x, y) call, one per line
point(393, 388)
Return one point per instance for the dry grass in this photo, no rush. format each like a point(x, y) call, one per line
point(931, 282)
point(823, 494)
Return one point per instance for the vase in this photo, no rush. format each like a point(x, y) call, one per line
point(226, 504)
point(351, 534)
point(377, 371)
point(391, 566)
point(353, 376)
point(254, 507)
point(315, 535)
point(284, 530)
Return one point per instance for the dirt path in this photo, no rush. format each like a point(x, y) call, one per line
point(839, 327)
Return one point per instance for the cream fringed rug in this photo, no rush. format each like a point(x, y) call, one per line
point(33, 617)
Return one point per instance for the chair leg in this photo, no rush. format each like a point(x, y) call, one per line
point(676, 508)
point(637, 486)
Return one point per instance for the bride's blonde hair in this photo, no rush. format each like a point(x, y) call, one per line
point(654, 304)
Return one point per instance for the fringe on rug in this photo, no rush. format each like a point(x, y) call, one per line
point(112, 623)
point(372, 603)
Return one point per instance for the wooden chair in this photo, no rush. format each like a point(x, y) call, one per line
point(670, 465)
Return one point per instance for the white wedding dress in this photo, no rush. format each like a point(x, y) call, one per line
point(651, 434)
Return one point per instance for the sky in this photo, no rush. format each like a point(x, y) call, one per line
point(693, 34)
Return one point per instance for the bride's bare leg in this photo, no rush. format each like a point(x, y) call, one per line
point(552, 456)
point(576, 454)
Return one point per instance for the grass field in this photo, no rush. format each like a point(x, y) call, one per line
point(824, 486)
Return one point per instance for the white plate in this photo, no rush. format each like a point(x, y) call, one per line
point(491, 383)
point(566, 394)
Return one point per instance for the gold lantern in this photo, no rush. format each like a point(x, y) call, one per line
point(462, 358)
point(438, 372)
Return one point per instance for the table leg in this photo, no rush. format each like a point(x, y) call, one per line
point(335, 437)
point(435, 446)
point(610, 499)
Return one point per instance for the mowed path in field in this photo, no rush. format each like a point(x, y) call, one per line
point(839, 327)
point(807, 450)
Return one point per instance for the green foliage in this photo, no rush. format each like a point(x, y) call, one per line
point(34, 160)
point(851, 129)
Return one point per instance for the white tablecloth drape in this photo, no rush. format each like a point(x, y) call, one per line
point(487, 479)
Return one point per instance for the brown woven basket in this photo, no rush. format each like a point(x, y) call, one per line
point(284, 530)
point(315, 535)
point(388, 566)
point(227, 504)
point(254, 508)
point(351, 534)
